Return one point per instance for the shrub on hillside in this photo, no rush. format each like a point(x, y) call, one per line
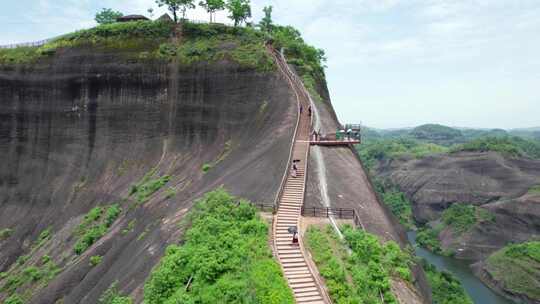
point(446, 289)
point(517, 268)
point(224, 259)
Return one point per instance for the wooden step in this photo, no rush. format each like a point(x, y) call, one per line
point(300, 275)
point(303, 285)
point(308, 299)
point(306, 289)
point(293, 265)
point(290, 256)
point(307, 294)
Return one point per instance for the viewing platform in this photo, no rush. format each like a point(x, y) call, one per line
point(349, 134)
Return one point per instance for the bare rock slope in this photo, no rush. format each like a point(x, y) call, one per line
point(78, 130)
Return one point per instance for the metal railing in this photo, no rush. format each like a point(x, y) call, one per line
point(27, 44)
point(339, 213)
point(293, 141)
point(265, 207)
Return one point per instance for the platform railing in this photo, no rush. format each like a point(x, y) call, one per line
point(265, 207)
point(27, 44)
point(339, 213)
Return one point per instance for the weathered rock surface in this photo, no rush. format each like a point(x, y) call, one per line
point(434, 183)
point(496, 183)
point(76, 131)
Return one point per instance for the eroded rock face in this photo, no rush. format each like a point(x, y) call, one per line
point(496, 183)
point(434, 183)
point(78, 130)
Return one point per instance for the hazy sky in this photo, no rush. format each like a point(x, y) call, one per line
point(392, 63)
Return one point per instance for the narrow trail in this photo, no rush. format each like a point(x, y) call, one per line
point(292, 257)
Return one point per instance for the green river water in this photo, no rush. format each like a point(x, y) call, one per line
point(479, 293)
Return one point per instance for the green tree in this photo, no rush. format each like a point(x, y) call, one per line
point(239, 10)
point(107, 16)
point(266, 23)
point(177, 5)
point(212, 6)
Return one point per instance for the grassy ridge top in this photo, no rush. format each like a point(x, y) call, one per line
point(152, 40)
point(518, 268)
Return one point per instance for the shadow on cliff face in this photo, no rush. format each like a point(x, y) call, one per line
point(77, 132)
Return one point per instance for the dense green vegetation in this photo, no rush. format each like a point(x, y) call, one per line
point(5, 233)
point(497, 140)
point(365, 275)
point(307, 60)
point(107, 16)
point(429, 238)
point(149, 40)
point(517, 267)
point(147, 186)
point(509, 146)
point(375, 151)
point(26, 274)
point(375, 263)
point(446, 289)
point(460, 218)
point(330, 256)
point(138, 37)
point(95, 225)
point(534, 190)
point(95, 260)
point(434, 132)
point(224, 258)
point(396, 201)
point(216, 42)
point(14, 299)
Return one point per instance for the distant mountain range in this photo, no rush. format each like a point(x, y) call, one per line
point(445, 135)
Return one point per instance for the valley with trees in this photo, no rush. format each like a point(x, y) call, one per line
point(469, 193)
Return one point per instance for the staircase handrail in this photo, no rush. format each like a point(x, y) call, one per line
point(293, 141)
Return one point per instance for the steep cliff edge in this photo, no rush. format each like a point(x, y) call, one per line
point(80, 128)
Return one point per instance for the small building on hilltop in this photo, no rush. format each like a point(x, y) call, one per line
point(130, 18)
point(165, 18)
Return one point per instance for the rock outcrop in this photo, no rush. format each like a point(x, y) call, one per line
point(79, 129)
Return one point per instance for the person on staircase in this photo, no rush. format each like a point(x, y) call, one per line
point(295, 239)
point(294, 172)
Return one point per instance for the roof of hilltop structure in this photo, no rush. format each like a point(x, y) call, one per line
point(131, 18)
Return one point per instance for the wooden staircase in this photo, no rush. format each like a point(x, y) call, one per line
point(297, 270)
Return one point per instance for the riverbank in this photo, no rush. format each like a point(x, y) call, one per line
point(475, 288)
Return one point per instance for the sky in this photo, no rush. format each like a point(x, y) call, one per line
point(391, 63)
